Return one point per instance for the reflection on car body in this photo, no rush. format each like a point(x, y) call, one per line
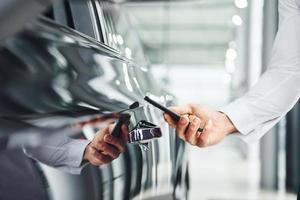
point(64, 77)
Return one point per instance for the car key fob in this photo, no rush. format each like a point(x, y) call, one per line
point(123, 119)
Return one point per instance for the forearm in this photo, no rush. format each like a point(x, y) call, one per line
point(258, 111)
point(278, 90)
point(65, 154)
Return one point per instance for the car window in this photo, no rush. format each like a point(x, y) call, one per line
point(79, 15)
point(121, 35)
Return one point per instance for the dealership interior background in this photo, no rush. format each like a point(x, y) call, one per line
point(201, 51)
point(211, 52)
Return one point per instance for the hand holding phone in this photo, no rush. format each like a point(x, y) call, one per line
point(174, 115)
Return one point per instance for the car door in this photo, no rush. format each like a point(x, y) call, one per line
point(74, 69)
point(123, 37)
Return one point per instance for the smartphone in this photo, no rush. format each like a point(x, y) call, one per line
point(174, 115)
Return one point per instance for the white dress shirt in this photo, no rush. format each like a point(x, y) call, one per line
point(278, 90)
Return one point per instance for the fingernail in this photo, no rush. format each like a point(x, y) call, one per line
point(196, 121)
point(108, 138)
point(182, 121)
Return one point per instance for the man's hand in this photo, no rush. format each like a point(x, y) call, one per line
point(216, 125)
point(104, 148)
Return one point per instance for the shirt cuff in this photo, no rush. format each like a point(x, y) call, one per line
point(240, 116)
point(75, 152)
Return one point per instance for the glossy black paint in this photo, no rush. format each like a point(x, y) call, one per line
point(57, 81)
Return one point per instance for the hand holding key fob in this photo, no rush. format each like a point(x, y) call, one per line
point(123, 119)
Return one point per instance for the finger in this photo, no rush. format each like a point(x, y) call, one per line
point(92, 157)
point(204, 138)
point(170, 120)
point(182, 126)
point(116, 142)
point(180, 110)
point(191, 133)
point(100, 134)
point(109, 150)
point(97, 145)
point(106, 148)
point(100, 159)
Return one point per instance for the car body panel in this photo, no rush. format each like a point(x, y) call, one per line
point(56, 81)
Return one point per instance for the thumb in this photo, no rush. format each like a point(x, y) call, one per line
point(170, 120)
point(100, 134)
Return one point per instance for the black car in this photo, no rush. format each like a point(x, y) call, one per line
point(71, 71)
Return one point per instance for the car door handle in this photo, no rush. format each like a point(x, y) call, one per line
point(144, 132)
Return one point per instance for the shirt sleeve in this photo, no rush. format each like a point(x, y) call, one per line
point(62, 153)
point(278, 90)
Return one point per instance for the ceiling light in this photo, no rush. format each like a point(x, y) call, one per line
point(241, 3)
point(115, 38)
point(231, 54)
point(128, 52)
point(237, 20)
point(120, 39)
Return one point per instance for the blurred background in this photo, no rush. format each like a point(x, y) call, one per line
point(211, 52)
